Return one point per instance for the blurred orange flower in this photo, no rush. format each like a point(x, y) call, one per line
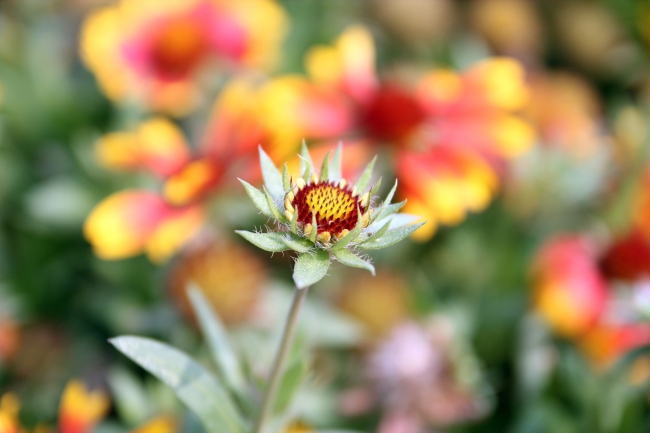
point(578, 292)
point(230, 276)
point(569, 291)
point(456, 131)
point(154, 51)
point(80, 411)
point(567, 113)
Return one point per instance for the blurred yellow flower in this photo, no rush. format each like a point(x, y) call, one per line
point(379, 303)
point(153, 52)
point(80, 409)
point(130, 222)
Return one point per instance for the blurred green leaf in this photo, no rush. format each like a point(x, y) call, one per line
point(217, 339)
point(193, 385)
point(291, 380)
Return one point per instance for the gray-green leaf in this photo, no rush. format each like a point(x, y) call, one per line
point(258, 198)
point(273, 242)
point(297, 243)
point(311, 268)
point(379, 233)
point(193, 385)
point(272, 176)
point(391, 237)
point(217, 339)
point(348, 258)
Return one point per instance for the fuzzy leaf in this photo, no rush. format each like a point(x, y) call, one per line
point(193, 385)
point(375, 188)
point(217, 339)
point(336, 172)
point(273, 208)
point(362, 183)
point(286, 182)
point(258, 198)
point(311, 268)
point(305, 160)
point(297, 243)
point(348, 258)
point(378, 214)
point(325, 168)
point(273, 242)
point(379, 233)
point(389, 210)
point(271, 175)
point(391, 237)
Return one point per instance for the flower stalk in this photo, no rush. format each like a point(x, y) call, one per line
point(280, 357)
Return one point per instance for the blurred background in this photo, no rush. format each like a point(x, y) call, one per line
point(517, 128)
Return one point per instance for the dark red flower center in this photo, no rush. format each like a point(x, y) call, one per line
point(334, 205)
point(392, 115)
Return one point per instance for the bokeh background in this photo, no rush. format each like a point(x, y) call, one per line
point(517, 128)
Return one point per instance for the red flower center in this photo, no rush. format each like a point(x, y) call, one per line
point(178, 48)
point(334, 205)
point(392, 115)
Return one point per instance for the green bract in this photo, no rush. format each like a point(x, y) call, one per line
point(324, 217)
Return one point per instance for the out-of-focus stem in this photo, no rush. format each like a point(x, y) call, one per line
point(280, 357)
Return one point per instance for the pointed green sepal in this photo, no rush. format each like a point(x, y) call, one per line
point(375, 188)
point(311, 268)
point(286, 180)
point(388, 210)
point(348, 258)
point(314, 228)
point(345, 240)
point(379, 233)
point(325, 168)
point(258, 198)
point(307, 173)
point(336, 171)
point(305, 159)
point(271, 175)
point(273, 208)
point(391, 237)
point(363, 181)
point(273, 242)
point(387, 201)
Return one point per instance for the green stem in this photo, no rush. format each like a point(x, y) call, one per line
point(280, 357)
